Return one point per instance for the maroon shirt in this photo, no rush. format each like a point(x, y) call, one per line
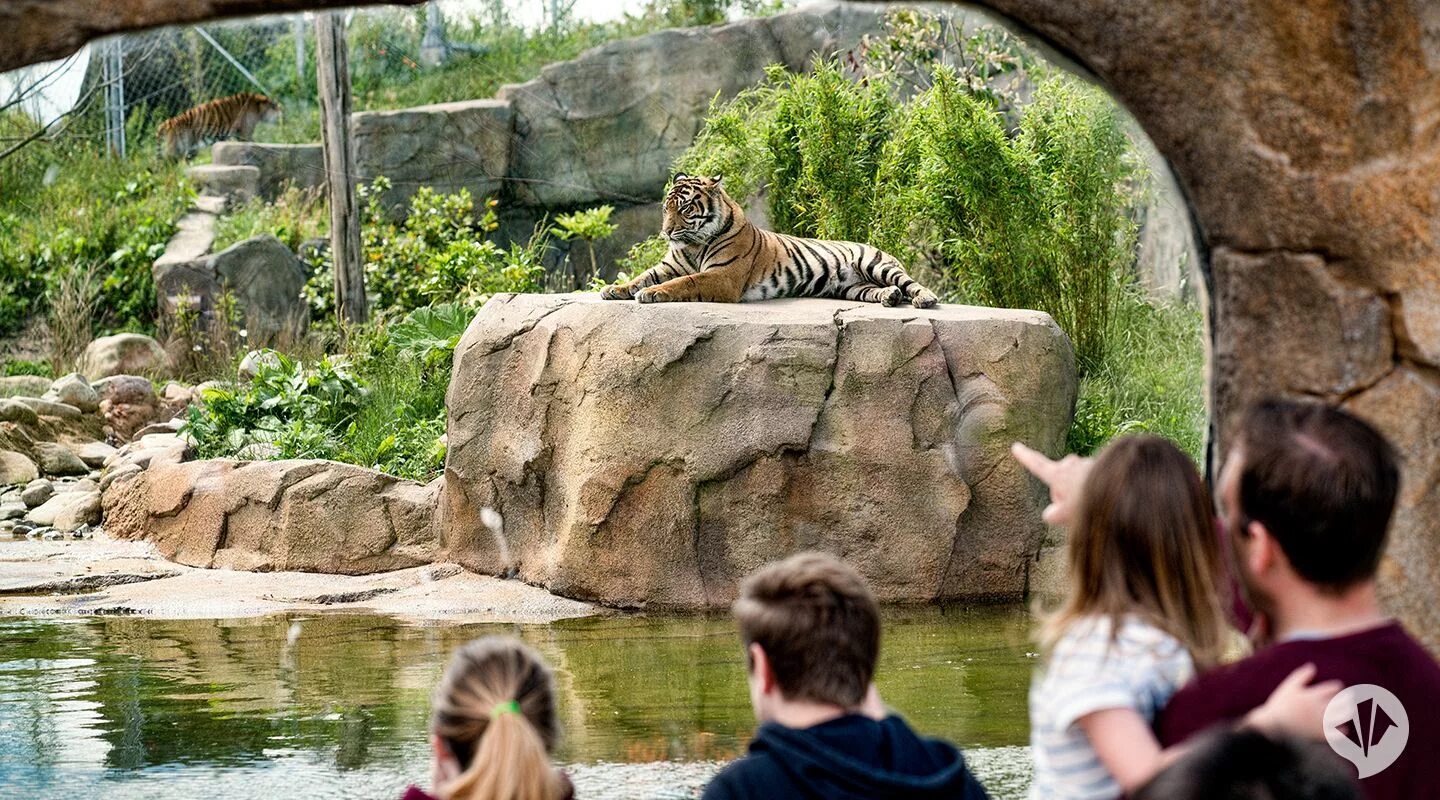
point(1385, 656)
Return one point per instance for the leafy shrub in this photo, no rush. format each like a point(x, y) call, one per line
point(1037, 217)
point(437, 254)
point(589, 226)
point(301, 410)
point(294, 217)
point(65, 207)
point(20, 366)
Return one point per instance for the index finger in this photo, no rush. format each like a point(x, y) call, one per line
point(1039, 464)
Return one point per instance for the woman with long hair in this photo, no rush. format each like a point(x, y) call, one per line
point(493, 725)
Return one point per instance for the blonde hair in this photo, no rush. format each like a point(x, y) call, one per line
point(495, 710)
point(1144, 543)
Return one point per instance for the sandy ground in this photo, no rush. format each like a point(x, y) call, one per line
point(101, 576)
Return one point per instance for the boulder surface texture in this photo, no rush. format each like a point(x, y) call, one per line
point(654, 455)
point(307, 516)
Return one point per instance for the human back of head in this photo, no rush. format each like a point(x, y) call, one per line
point(817, 623)
point(1245, 764)
point(1143, 542)
point(494, 710)
point(1323, 483)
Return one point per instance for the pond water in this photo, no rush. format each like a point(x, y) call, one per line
point(300, 706)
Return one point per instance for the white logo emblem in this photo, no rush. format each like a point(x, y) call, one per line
point(1367, 726)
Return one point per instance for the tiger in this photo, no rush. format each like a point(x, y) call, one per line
point(233, 117)
point(717, 255)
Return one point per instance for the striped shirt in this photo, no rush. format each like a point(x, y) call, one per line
point(1087, 672)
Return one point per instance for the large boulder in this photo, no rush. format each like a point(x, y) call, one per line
point(310, 516)
point(449, 147)
point(267, 280)
point(608, 125)
point(74, 390)
point(58, 460)
point(122, 354)
point(654, 455)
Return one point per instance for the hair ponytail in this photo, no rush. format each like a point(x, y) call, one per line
point(495, 709)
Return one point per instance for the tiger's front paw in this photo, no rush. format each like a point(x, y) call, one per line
point(924, 299)
point(615, 293)
point(652, 294)
point(891, 296)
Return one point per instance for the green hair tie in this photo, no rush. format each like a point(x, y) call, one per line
point(507, 707)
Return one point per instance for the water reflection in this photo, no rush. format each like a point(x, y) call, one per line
point(312, 705)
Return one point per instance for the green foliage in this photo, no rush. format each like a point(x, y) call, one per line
point(293, 217)
point(301, 410)
point(437, 254)
point(1152, 379)
point(64, 206)
point(590, 226)
point(384, 407)
point(643, 255)
point(1037, 217)
point(996, 202)
point(20, 366)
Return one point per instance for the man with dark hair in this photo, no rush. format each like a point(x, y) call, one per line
point(1306, 495)
point(811, 631)
point(1245, 764)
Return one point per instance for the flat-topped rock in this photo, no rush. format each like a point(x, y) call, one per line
point(654, 455)
point(310, 516)
point(236, 184)
point(298, 165)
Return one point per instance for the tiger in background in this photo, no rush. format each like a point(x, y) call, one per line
point(233, 117)
point(717, 255)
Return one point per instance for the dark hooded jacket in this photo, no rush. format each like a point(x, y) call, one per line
point(849, 757)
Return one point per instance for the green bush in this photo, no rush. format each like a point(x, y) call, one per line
point(437, 254)
point(996, 201)
point(383, 407)
point(66, 206)
point(294, 217)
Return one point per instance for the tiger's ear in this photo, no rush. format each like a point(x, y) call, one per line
point(716, 179)
point(679, 176)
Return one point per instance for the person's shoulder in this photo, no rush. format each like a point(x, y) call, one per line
point(751, 775)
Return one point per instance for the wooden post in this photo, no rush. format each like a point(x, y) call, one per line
point(334, 84)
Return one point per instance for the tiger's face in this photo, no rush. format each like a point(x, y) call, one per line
point(694, 209)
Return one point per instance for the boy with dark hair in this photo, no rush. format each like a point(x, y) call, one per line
point(1245, 764)
point(1306, 494)
point(811, 630)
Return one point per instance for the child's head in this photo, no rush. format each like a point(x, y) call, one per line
point(1248, 765)
point(494, 718)
point(1144, 542)
point(811, 630)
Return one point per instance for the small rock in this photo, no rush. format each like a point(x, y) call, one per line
point(119, 473)
point(67, 511)
point(16, 469)
point(82, 485)
point(93, 453)
point(169, 426)
point(51, 535)
point(37, 492)
point(56, 459)
point(127, 390)
point(258, 451)
point(122, 354)
point(253, 360)
point(15, 411)
point(15, 511)
point(50, 408)
point(74, 390)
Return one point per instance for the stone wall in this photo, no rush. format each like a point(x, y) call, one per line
point(1304, 138)
point(654, 455)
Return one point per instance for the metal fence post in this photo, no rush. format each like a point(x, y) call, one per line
point(113, 74)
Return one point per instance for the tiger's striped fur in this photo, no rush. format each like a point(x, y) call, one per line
point(717, 255)
point(233, 117)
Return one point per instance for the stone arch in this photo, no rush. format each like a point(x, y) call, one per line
point(1304, 137)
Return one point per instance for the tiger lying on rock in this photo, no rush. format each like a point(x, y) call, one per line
point(233, 117)
point(717, 255)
